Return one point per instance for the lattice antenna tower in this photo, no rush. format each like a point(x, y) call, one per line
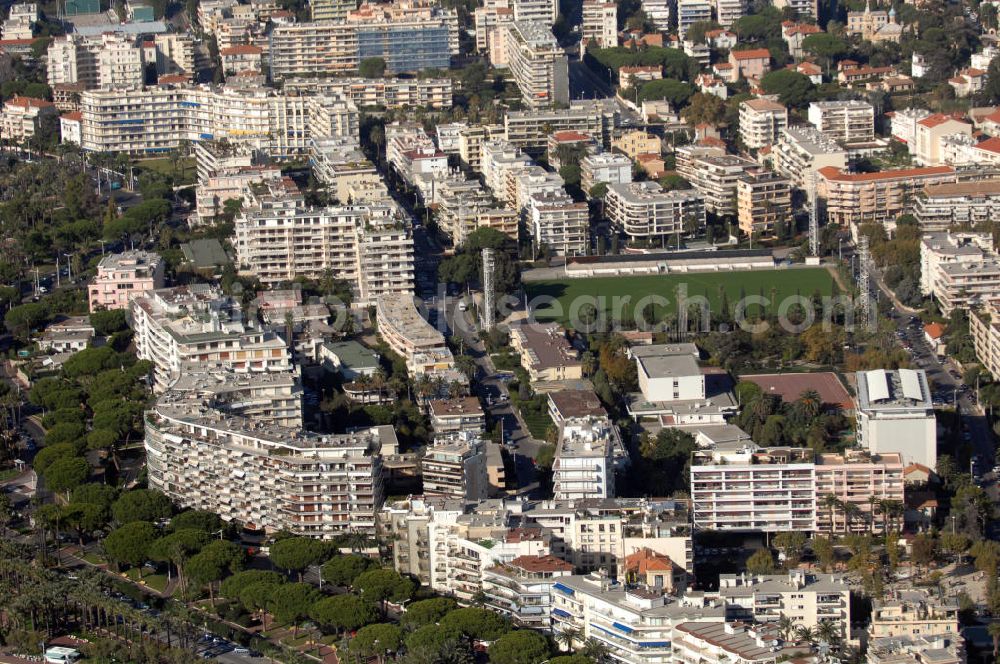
point(813, 218)
point(489, 289)
point(864, 283)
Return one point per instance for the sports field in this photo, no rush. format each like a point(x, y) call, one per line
point(786, 282)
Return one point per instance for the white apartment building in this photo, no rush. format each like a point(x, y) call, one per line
point(808, 598)
point(847, 121)
point(331, 10)
point(158, 118)
point(728, 12)
point(714, 174)
point(455, 467)
point(558, 223)
point(635, 624)
point(116, 61)
point(913, 613)
point(408, 35)
point(600, 23)
point(22, 117)
point(958, 269)
point(722, 643)
point(895, 414)
point(389, 92)
point(643, 211)
point(212, 445)
point(277, 238)
point(583, 466)
point(748, 488)
point(690, 12)
point(197, 328)
point(607, 167)
point(930, 131)
point(761, 122)
point(537, 64)
point(939, 207)
point(802, 151)
point(984, 326)
point(905, 649)
point(904, 124)
point(20, 23)
point(521, 589)
point(658, 12)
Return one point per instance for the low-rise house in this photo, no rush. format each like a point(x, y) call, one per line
point(68, 336)
point(546, 353)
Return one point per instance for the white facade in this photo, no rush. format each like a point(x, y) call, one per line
point(761, 122)
point(607, 167)
point(537, 63)
point(600, 23)
point(849, 121)
point(583, 466)
point(643, 210)
point(690, 12)
point(895, 414)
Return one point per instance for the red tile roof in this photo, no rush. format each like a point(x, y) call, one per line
point(752, 54)
point(28, 102)
point(546, 563)
point(570, 136)
point(241, 49)
point(990, 145)
point(934, 330)
point(932, 121)
point(74, 116)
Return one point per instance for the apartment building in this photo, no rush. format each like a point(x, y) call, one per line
point(728, 12)
point(958, 269)
point(210, 445)
point(529, 130)
point(521, 589)
point(635, 143)
point(600, 23)
point(558, 223)
point(341, 165)
point(690, 12)
point(853, 199)
point(847, 121)
point(930, 131)
point(644, 211)
point(940, 207)
point(714, 175)
point(240, 58)
point(583, 466)
point(23, 117)
point(546, 353)
point(606, 167)
point(455, 467)
point(775, 494)
point(672, 387)
point(120, 277)
point(115, 60)
point(984, 327)
point(720, 643)
point(763, 199)
point(903, 125)
point(658, 12)
point(855, 478)
point(408, 334)
point(389, 92)
point(409, 35)
point(913, 614)
point(808, 598)
point(278, 237)
point(802, 152)
point(159, 118)
point(228, 184)
point(895, 415)
point(463, 206)
point(905, 649)
point(20, 23)
point(537, 64)
point(502, 163)
point(197, 327)
point(635, 624)
point(455, 415)
point(761, 122)
point(331, 10)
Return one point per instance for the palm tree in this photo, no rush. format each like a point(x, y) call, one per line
point(810, 402)
point(786, 626)
point(828, 631)
point(831, 503)
point(567, 636)
point(596, 650)
point(805, 634)
point(892, 510)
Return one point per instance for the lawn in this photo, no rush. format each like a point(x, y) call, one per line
point(630, 290)
point(94, 559)
point(185, 173)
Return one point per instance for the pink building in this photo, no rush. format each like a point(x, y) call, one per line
point(120, 277)
point(752, 63)
point(862, 483)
